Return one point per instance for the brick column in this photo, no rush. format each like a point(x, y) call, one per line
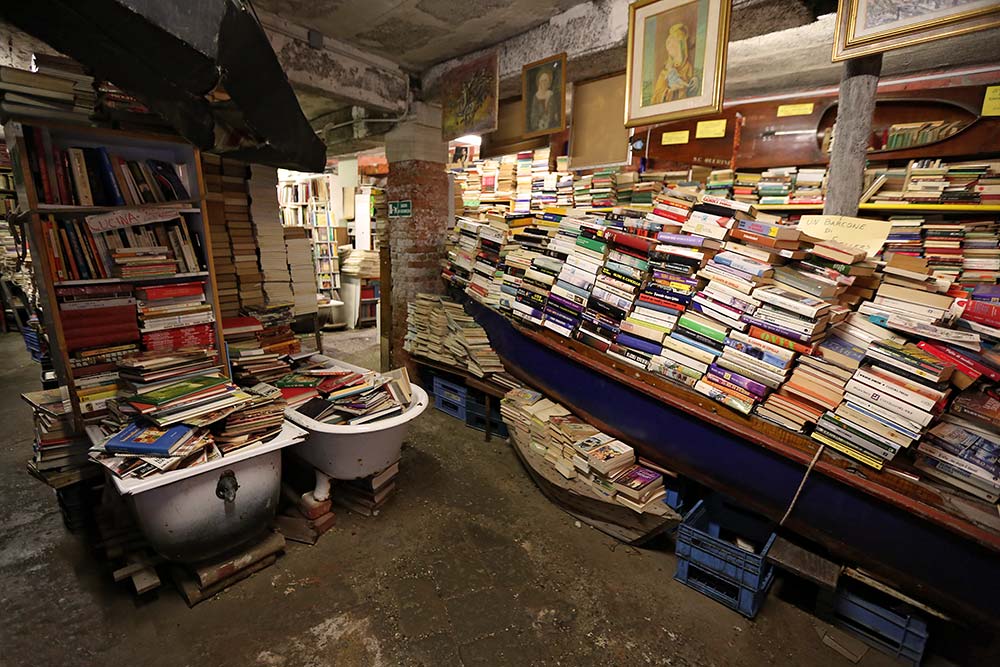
point(417, 172)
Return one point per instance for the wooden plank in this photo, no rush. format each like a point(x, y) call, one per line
point(193, 594)
point(207, 575)
point(145, 580)
point(808, 565)
point(868, 580)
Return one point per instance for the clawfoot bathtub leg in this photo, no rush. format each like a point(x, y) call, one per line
point(322, 490)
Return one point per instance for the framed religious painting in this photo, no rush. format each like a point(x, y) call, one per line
point(543, 89)
point(865, 27)
point(676, 59)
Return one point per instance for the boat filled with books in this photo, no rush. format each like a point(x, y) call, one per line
point(731, 346)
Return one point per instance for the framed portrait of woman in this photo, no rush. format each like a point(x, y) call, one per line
point(543, 89)
point(676, 59)
point(873, 26)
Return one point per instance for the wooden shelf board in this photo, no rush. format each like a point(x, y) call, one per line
point(190, 206)
point(151, 279)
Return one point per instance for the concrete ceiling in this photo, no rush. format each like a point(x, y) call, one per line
point(418, 33)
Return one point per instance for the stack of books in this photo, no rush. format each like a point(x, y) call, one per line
point(175, 316)
point(964, 449)
point(523, 178)
point(942, 249)
point(981, 252)
point(257, 421)
point(905, 235)
point(564, 190)
point(745, 187)
point(470, 346)
point(268, 235)
point(298, 245)
point(62, 92)
point(578, 241)
point(926, 181)
point(720, 183)
point(226, 287)
point(671, 210)
point(602, 189)
point(60, 67)
point(58, 448)
point(463, 252)
point(543, 183)
point(889, 402)
point(615, 291)
point(582, 197)
point(775, 185)
point(251, 364)
point(810, 186)
point(276, 335)
point(625, 183)
point(367, 496)
point(94, 316)
point(349, 397)
point(487, 269)
point(427, 328)
point(643, 193)
point(606, 467)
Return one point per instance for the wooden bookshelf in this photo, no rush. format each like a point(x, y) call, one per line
point(130, 146)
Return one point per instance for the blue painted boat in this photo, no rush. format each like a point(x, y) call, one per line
point(928, 543)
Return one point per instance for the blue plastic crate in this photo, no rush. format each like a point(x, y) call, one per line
point(744, 599)
point(698, 540)
point(450, 391)
point(449, 407)
point(478, 422)
point(900, 634)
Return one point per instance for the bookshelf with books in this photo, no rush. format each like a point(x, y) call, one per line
point(123, 258)
point(306, 200)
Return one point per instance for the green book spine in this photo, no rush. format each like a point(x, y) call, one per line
point(591, 244)
point(698, 327)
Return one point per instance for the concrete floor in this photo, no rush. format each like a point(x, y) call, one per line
point(468, 565)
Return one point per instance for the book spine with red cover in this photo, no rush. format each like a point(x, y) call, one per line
point(967, 365)
point(982, 312)
point(629, 240)
point(39, 146)
point(781, 341)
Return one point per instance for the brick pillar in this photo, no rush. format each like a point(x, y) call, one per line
point(417, 173)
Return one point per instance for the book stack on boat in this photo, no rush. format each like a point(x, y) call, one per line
point(548, 435)
point(889, 402)
point(483, 285)
point(981, 252)
point(963, 450)
point(616, 290)
point(579, 239)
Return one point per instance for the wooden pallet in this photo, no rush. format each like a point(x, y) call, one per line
point(202, 582)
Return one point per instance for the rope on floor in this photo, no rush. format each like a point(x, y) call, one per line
point(795, 498)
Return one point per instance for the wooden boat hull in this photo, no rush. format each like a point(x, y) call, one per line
point(921, 557)
point(610, 518)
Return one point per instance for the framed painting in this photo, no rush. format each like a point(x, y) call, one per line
point(676, 59)
point(543, 89)
point(470, 95)
point(865, 27)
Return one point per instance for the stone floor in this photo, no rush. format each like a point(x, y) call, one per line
point(467, 565)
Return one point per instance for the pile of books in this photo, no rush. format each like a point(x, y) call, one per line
point(745, 187)
point(603, 193)
point(59, 450)
point(810, 186)
point(487, 272)
point(605, 467)
point(276, 335)
point(367, 496)
point(58, 89)
point(463, 248)
point(226, 288)
point(243, 241)
point(524, 171)
point(470, 346)
point(905, 235)
point(348, 397)
point(963, 450)
point(175, 315)
point(258, 420)
point(720, 183)
point(251, 363)
point(889, 402)
point(298, 245)
point(775, 185)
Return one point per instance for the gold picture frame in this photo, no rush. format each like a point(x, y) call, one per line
point(862, 29)
point(544, 113)
point(676, 59)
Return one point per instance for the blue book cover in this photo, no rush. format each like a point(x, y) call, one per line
point(637, 343)
point(147, 440)
point(108, 178)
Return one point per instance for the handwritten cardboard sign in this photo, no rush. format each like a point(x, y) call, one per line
point(128, 217)
point(861, 233)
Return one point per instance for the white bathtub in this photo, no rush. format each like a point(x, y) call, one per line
point(351, 452)
point(186, 516)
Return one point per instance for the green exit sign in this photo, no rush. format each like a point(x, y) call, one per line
point(401, 209)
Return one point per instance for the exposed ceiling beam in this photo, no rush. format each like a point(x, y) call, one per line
point(335, 69)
